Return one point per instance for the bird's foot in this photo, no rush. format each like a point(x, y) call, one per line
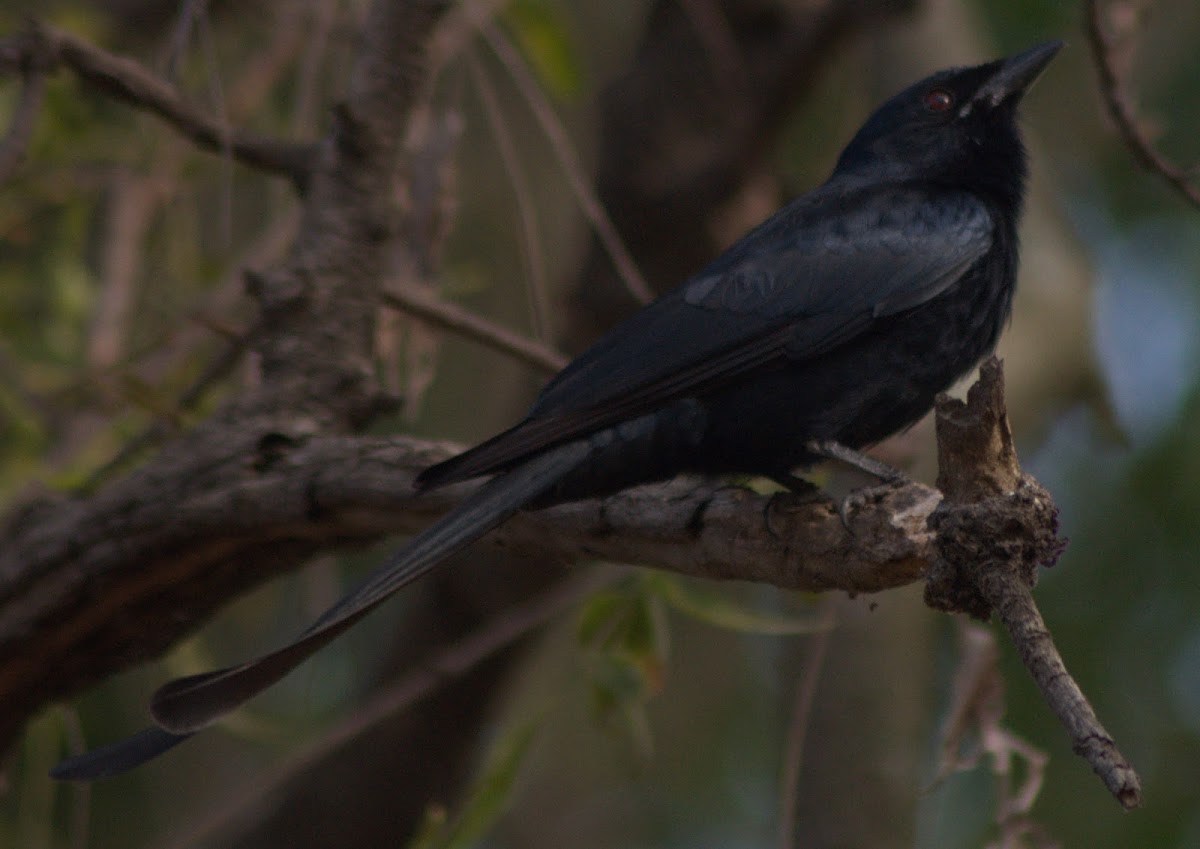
point(860, 498)
point(888, 476)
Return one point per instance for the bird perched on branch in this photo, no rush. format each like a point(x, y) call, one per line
point(830, 326)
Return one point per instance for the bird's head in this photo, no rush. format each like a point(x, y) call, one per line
point(957, 127)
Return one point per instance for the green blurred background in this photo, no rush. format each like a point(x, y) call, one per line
point(120, 253)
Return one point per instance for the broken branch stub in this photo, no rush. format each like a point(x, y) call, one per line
point(994, 528)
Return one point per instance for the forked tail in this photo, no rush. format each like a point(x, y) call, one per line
point(185, 705)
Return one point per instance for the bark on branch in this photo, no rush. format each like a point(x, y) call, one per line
point(317, 378)
point(118, 578)
point(92, 587)
point(44, 48)
point(994, 529)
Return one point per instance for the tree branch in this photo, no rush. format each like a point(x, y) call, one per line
point(994, 529)
point(1121, 108)
point(48, 48)
point(318, 308)
point(20, 131)
point(447, 316)
point(560, 143)
point(119, 578)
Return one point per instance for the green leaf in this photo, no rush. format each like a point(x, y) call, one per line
point(646, 632)
point(542, 33)
point(721, 610)
point(617, 679)
point(630, 620)
point(488, 798)
point(628, 638)
point(40, 749)
point(596, 620)
point(621, 686)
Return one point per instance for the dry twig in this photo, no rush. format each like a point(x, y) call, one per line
point(974, 728)
point(995, 528)
point(535, 266)
point(1112, 63)
point(797, 732)
point(46, 47)
point(432, 309)
point(581, 187)
point(20, 131)
point(214, 371)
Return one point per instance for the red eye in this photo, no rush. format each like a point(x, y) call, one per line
point(938, 100)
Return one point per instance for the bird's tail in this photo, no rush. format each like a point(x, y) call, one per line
point(185, 705)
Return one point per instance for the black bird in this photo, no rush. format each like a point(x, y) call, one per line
point(830, 326)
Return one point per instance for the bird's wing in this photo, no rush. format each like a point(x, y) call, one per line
point(812, 277)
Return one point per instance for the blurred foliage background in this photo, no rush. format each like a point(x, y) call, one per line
point(657, 713)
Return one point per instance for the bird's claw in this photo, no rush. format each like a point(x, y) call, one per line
point(860, 498)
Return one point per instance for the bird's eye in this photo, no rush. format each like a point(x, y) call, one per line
point(938, 100)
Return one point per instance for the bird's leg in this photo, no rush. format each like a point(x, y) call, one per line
point(832, 450)
point(888, 475)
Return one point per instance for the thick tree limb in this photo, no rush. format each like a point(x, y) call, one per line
point(87, 588)
point(317, 377)
point(118, 578)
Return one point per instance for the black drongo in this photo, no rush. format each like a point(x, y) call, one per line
point(835, 322)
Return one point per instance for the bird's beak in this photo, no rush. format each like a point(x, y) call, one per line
point(1014, 75)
